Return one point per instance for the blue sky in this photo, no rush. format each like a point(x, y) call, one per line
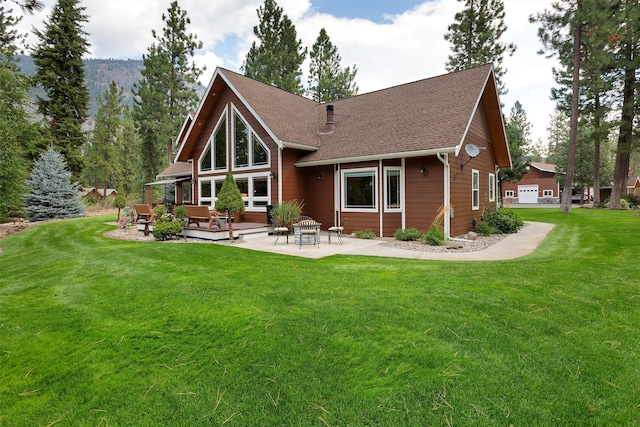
point(390, 41)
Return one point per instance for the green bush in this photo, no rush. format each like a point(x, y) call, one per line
point(632, 200)
point(159, 210)
point(181, 212)
point(410, 234)
point(485, 229)
point(503, 221)
point(166, 226)
point(285, 214)
point(434, 236)
point(364, 234)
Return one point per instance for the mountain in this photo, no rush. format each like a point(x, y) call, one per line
point(98, 74)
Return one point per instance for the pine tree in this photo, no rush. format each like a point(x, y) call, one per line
point(60, 73)
point(103, 166)
point(475, 35)
point(17, 132)
point(128, 154)
point(167, 91)
point(28, 6)
point(278, 58)
point(327, 80)
point(230, 201)
point(52, 193)
point(518, 130)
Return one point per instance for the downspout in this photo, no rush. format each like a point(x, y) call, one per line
point(380, 202)
point(279, 177)
point(444, 158)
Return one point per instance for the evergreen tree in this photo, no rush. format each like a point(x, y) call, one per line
point(52, 193)
point(277, 60)
point(475, 35)
point(518, 130)
point(166, 91)
point(60, 73)
point(17, 132)
point(102, 153)
point(327, 80)
point(28, 6)
point(128, 153)
point(230, 201)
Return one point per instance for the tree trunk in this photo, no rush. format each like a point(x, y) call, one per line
point(230, 225)
point(596, 151)
point(625, 137)
point(565, 203)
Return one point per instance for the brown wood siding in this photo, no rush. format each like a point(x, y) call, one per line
point(390, 223)
point(320, 201)
point(461, 191)
point(293, 178)
point(424, 193)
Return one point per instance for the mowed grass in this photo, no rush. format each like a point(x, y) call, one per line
point(101, 332)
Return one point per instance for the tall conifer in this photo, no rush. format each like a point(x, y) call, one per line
point(60, 73)
point(328, 81)
point(475, 35)
point(167, 91)
point(277, 58)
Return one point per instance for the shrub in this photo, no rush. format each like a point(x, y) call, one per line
point(410, 234)
point(286, 213)
point(364, 234)
point(434, 236)
point(503, 221)
point(632, 200)
point(166, 226)
point(485, 229)
point(159, 210)
point(181, 212)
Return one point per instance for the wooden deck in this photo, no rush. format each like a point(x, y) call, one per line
point(241, 230)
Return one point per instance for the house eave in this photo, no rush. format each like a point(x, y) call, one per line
point(298, 146)
point(373, 157)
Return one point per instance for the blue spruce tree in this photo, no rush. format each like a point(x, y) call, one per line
point(53, 194)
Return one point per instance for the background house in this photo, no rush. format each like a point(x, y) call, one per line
point(632, 187)
point(384, 160)
point(538, 185)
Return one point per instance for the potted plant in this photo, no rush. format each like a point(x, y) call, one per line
point(285, 213)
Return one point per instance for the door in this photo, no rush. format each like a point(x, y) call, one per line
point(528, 193)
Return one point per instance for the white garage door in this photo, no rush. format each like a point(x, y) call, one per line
point(528, 193)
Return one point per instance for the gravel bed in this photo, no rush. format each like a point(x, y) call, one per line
point(463, 245)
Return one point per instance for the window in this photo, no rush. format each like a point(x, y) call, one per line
point(492, 187)
point(392, 189)
point(248, 149)
point(254, 191)
point(547, 193)
point(220, 146)
point(475, 189)
point(186, 192)
point(359, 192)
point(214, 155)
point(508, 193)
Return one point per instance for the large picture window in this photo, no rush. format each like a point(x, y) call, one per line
point(359, 190)
point(214, 155)
point(392, 189)
point(253, 189)
point(248, 149)
point(475, 189)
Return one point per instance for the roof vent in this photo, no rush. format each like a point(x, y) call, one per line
point(330, 126)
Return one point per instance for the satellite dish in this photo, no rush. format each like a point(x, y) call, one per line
point(472, 150)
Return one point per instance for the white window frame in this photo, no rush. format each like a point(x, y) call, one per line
point(509, 193)
point(547, 193)
point(475, 189)
point(344, 173)
point(211, 147)
point(252, 134)
point(492, 187)
point(400, 206)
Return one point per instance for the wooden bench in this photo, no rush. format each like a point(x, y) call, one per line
point(144, 212)
point(198, 214)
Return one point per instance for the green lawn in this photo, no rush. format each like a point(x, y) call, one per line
point(100, 332)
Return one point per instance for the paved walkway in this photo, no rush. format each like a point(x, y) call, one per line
point(513, 246)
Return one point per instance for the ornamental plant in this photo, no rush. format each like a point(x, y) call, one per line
point(285, 214)
point(230, 201)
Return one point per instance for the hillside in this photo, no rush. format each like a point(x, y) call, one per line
point(99, 73)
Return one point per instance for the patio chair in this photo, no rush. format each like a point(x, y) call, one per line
point(308, 227)
point(144, 212)
point(337, 230)
point(279, 230)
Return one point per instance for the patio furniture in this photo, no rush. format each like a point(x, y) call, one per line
point(146, 226)
point(197, 214)
point(306, 229)
point(144, 212)
point(337, 230)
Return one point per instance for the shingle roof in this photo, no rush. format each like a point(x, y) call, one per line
point(545, 167)
point(411, 119)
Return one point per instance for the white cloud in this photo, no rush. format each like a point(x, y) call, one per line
point(403, 48)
